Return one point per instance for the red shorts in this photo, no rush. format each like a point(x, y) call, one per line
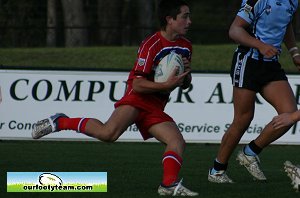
point(151, 111)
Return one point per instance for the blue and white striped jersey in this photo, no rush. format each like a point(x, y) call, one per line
point(268, 20)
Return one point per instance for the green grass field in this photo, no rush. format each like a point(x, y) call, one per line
point(205, 58)
point(134, 169)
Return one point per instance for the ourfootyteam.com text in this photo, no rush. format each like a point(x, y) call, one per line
point(56, 187)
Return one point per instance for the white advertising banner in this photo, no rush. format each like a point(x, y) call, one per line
point(203, 113)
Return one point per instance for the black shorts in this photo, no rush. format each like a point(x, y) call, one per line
point(254, 74)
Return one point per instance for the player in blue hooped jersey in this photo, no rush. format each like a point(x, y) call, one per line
point(260, 27)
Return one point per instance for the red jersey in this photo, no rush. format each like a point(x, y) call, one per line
point(150, 52)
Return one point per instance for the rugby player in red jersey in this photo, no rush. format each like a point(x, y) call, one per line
point(144, 101)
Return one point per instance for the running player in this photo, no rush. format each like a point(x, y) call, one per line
point(260, 28)
point(145, 100)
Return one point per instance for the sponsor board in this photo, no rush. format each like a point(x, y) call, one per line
point(203, 112)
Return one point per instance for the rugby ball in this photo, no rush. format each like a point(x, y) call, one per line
point(166, 66)
point(50, 179)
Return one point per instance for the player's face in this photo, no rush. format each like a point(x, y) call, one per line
point(183, 21)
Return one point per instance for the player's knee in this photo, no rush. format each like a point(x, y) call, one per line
point(178, 143)
point(183, 143)
point(243, 119)
point(108, 139)
point(108, 136)
point(247, 117)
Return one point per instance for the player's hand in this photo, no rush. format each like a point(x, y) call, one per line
point(268, 51)
point(174, 80)
point(187, 64)
point(296, 61)
point(188, 78)
point(282, 120)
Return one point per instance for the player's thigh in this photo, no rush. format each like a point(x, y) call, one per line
point(243, 102)
point(166, 132)
point(122, 117)
point(280, 95)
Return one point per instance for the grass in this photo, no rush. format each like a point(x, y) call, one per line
point(102, 57)
point(205, 58)
point(134, 169)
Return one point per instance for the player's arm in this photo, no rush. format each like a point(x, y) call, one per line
point(285, 119)
point(143, 85)
point(238, 33)
point(290, 43)
point(188, 78)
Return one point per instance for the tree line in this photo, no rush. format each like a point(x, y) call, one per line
point(75, 23)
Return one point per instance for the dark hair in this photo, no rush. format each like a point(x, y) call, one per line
point(169, 8)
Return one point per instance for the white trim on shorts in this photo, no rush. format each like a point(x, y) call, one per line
point(240, 78)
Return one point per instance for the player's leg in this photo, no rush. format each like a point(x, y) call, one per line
point(169, 134)
point(121, 118)
point(244, 103)
point(284, 102)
